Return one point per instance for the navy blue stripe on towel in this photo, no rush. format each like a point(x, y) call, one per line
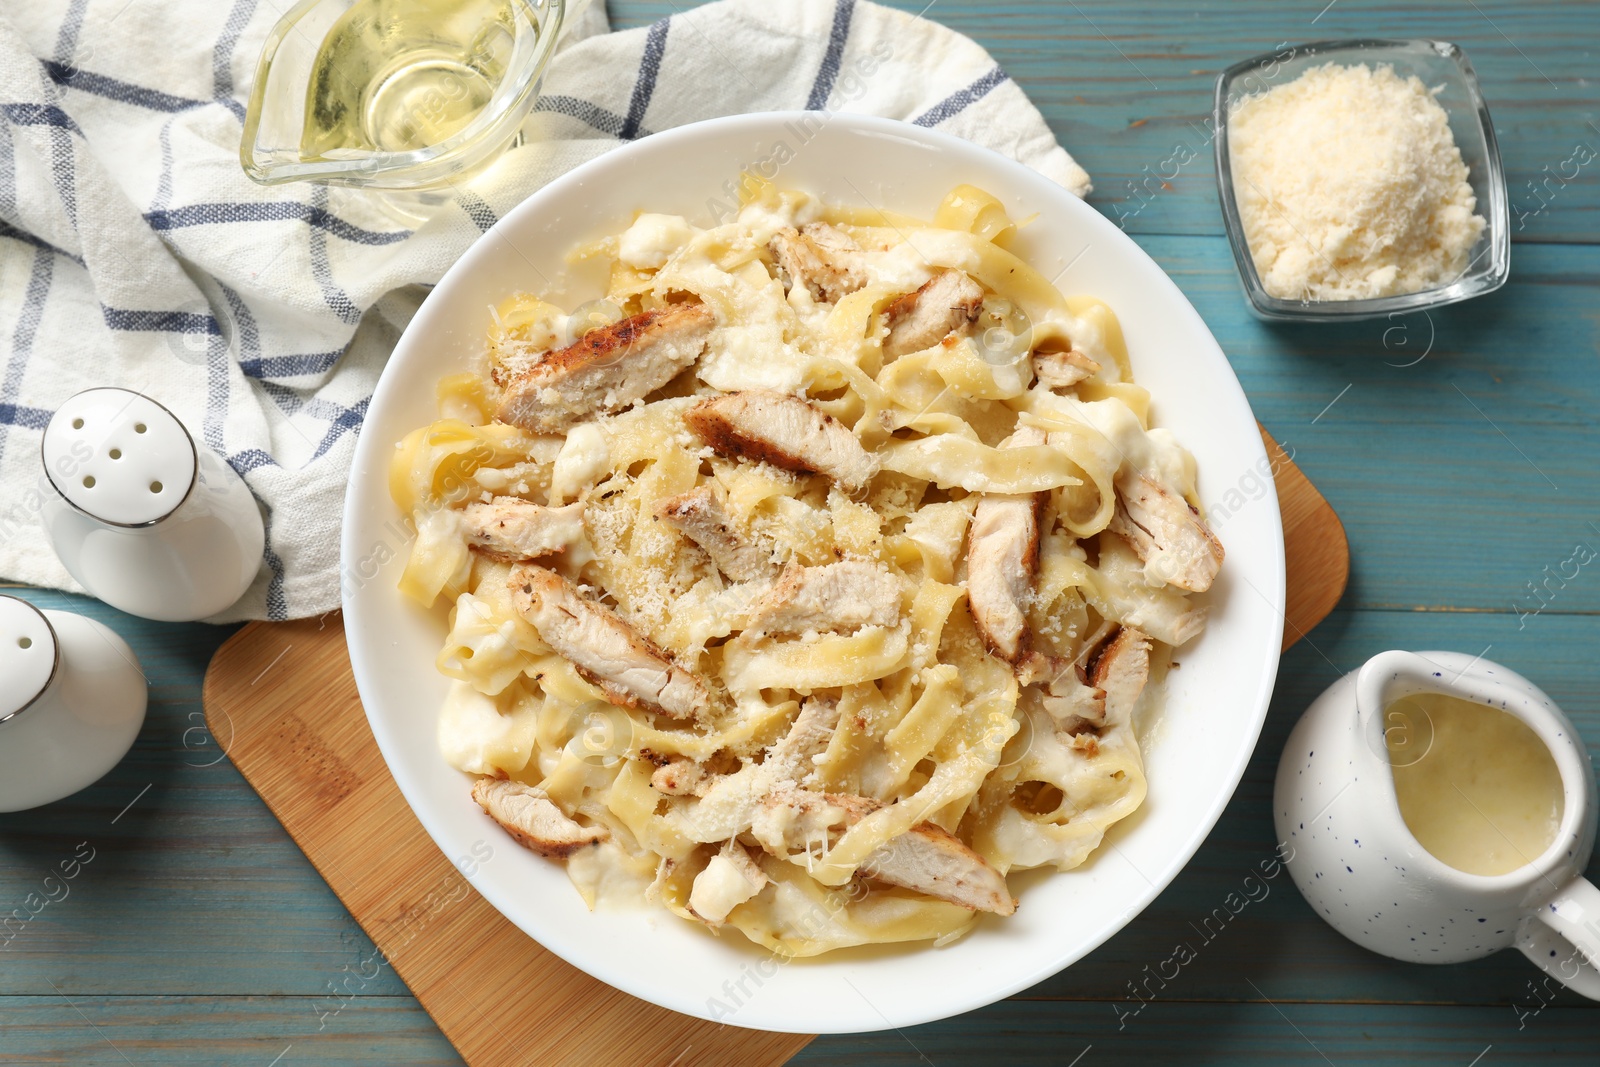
point(269, 211)
point(8, 230)
point(655, 46)
point(961, 99)
point(117, 89)
point(607, 122)
point(289, 366)
point(39, 115)
point(160, 321)
point(477, 209)
point(26, 417)
point(822, 88)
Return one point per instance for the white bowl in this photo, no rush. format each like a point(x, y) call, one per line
point(1196, 751)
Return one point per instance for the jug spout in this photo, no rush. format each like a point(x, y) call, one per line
point(1384, 679)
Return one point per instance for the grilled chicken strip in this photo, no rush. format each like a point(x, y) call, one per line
point(934, 862)
point(791, 759)
point(925, 859)
point(784, 431)
point(1067, 693)
point(947, 304)
point(822, 259)
point(1168, 534)
point(1063, 370)
point(527, 815)
point(512, 529)
point(730, 801)
point(837, 596)
point(680, 776)
point(1121, 668)
point(700, 516)
point(630, 670)
point(606, 369)
point(1002, 558)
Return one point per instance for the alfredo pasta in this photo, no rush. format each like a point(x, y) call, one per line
point(810, 585)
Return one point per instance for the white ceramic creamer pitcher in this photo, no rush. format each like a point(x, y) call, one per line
point(1359, 866)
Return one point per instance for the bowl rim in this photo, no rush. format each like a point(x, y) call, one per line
point(365, 665)
point(1497, 213)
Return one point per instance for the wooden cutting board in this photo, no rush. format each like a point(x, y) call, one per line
point(1315, 550)
point(300, 738)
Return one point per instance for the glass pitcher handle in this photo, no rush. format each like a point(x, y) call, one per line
point(1563, 937)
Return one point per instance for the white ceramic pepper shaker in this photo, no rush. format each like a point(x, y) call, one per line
point(72, 699)
point(144, 517)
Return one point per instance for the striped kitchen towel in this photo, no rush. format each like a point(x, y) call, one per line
point(135, 252)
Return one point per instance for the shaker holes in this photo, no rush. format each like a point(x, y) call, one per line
point(155, 487)
point(139, 427)
point(88, 481)
point(24, 642)
point(77, 424)
point(115, 453)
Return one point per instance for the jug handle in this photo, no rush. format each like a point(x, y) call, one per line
point(1574, 915)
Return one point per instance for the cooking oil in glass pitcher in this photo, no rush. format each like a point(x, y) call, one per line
point(403, 99)
point(398, 75)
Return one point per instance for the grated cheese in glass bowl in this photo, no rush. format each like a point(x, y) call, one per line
point(1359, 180)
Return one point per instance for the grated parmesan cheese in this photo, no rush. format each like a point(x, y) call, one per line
point(1350, 186)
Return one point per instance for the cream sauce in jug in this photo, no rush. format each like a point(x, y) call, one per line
point(1476, 786)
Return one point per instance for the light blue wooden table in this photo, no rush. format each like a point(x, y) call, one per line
point(199, 935)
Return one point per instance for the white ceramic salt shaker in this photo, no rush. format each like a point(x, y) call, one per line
point(144, 517)
point(72, 699)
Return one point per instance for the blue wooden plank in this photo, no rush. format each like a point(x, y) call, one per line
point(1127, 89)
point(273, 1032)
point(1278, 1034)
point(195, 888)
point(100, 1031)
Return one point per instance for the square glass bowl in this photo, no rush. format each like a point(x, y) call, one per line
point(1439, 65)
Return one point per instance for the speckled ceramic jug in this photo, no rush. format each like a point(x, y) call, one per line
point(1351, 854)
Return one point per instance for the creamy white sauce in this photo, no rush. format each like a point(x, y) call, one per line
point(608, 877)
point(652, 239)
point(792, 211)
point(1476, 786)
point(1154, 453)
point(583, 458)
point(719, 889)
point(475, 737)
point(905, 266)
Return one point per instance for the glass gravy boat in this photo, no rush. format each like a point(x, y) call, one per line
point(407, 97)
